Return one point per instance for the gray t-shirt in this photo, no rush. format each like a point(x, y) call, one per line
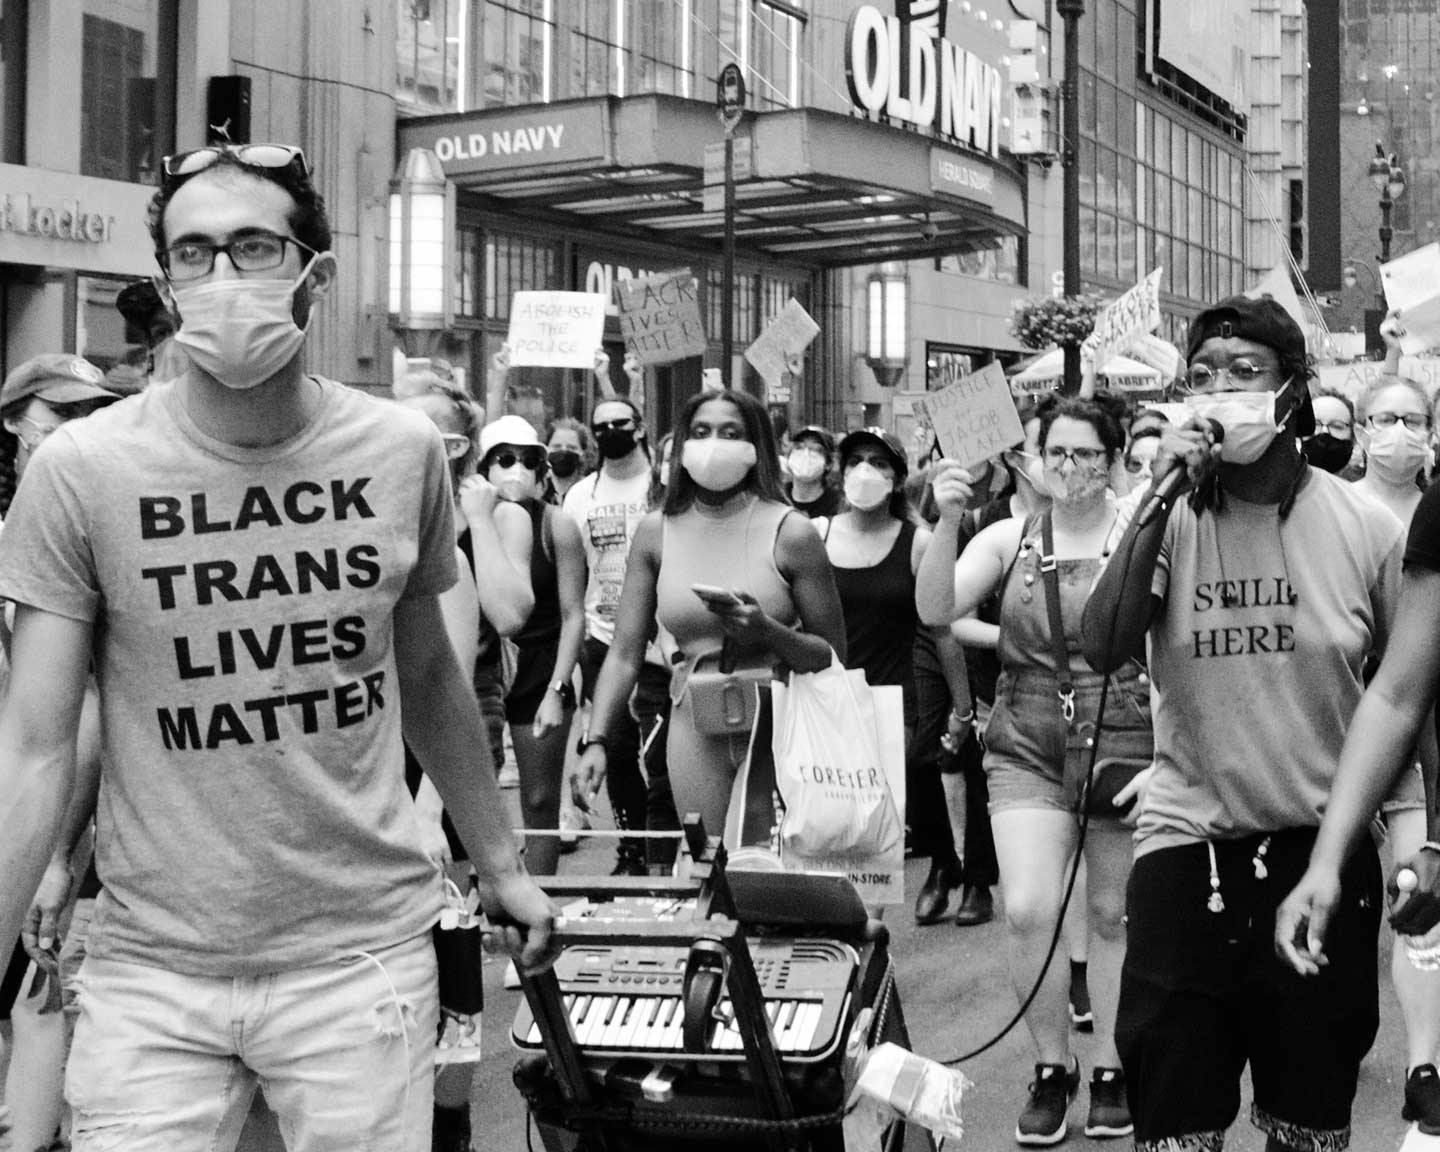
point(253, 815)
point(1253, 697)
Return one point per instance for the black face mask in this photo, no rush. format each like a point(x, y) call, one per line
point(564, 463)
point(615, 443)
point(1326, 452)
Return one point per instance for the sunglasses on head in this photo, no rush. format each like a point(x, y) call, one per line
point(176, 169)
point(530, 457)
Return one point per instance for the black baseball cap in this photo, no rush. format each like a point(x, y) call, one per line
point(815, 432)
point(885, 439)
point(1264, 320)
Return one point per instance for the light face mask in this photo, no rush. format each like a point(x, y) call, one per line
point(240, 331)
point(1248, 419)
point(805, 465)
point(1397, 453)
point(718, 465)
point(866, 487)
point(1082, 482)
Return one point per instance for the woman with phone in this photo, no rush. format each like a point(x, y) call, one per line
point(1042, 733)
point(726, 566)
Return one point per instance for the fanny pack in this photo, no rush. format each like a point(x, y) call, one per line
point(722, 699)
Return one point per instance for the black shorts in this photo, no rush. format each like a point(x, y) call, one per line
point(534, 671)
point(1203, 993)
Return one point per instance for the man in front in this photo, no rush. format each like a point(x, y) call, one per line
point(251, 555)
point(1262, 595)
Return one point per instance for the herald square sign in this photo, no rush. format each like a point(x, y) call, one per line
point(902, 70)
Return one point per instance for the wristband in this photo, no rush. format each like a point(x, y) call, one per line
point(968, 718)
point(565, 690)
point(1430, 846)
point(587, 740)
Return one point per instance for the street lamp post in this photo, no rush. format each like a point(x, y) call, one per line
point(1070, 12)
point(1389, 180)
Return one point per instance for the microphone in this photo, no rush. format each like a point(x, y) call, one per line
point(1173, 481)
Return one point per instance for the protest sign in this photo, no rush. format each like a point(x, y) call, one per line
point(1134, 313)
point(555, 329)
point(975, 418)
point(781, 347)
point(660, 317)
point(1411, 287)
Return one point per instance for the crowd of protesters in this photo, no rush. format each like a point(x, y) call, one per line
point(1089, 631)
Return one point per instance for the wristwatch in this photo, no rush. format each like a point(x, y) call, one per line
point(565, 690)
point(586, 740)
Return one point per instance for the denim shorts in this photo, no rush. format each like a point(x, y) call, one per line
point(1034, 759)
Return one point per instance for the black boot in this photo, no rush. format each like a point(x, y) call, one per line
point(977, 906)
point(451, 1131)
point(934, 896)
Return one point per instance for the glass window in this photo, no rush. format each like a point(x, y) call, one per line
point(1087, 240)
point(1196, 172)
point(1162, 202)
point(1126, 45)
point(1105, 113)
point(1160, 157)
point(99, 328)
point(127, 88)
point(12, 81)
point(1087, 171)
point(1194, 228)
point(1125, 186)
point(592, 48)
point(1088, 85)
point(428, 57)
point(1179, 258)
point(1105, 179)
point(517, 264)
point(1145, 151)
point(1105, 244)
point(1104, 39)
point(1126, 235)
point(775, 58)
point(1142, 194)
point(1000, 263)
point(1177, 153)
point(516, 46)
point(745, 305)
point(469, 272)
point(1087, 44)
point(1125, 122)
point(1197, 282)
point(723, 43)
point(656, 35)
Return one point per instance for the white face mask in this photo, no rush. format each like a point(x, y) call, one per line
point(1248, 419)
point(1397, 453)
point(718, 465)
point(240, 331)
point(514, 483)
point(805, 465)
point(866, 487)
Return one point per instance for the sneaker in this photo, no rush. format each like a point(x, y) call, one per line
point(1044, 1120)
point(1422, 1098)
point(509, 775)
point(1109, 1108)
point(1082, 1016)
point(572, 822)
point(459, 1041)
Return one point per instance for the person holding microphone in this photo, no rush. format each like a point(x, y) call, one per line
point(1262, 595)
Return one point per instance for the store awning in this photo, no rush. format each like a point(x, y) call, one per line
point(824, 189)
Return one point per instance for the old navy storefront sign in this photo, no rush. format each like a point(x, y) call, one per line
point(902, 71)
point(489, 143)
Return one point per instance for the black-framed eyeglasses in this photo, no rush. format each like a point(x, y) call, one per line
point(1415, 421)
point(1243, 375)
point(254, 252)
point(1056, 456)
point(1340, 429)
point(531, 457)
point(625, 425)
point(178, 168)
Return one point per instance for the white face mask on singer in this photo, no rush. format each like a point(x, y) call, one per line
point(241, 331)
point(1248, 419)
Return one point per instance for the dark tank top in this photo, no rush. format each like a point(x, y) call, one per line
point(542, 629)
point(880, 615)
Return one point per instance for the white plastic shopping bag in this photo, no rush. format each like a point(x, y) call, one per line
point(839, 751)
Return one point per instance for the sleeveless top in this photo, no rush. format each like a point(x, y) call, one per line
point(732, 547)
point(880, 614)
point(542, 629)
point(1025, 644)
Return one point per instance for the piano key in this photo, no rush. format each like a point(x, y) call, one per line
point(615, 1021)
point(673, 1038)
point(633, 1021)
point(804, 1032)
point(643, 1034)
point(787, 1017)
point(594, 1021)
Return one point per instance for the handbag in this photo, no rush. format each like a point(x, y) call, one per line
point(1097, 787)
point(720, 697)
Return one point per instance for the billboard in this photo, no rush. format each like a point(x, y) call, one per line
point(1207, 42)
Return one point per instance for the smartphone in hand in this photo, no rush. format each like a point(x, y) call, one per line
point(715, 596)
